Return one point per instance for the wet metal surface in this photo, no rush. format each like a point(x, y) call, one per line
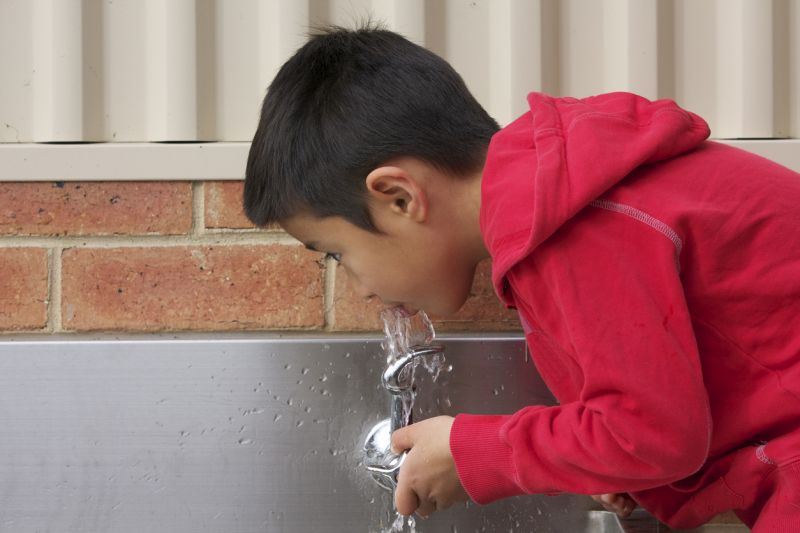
point(233, 433)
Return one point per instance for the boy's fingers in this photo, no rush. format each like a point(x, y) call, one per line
point(426, 509)
point(622, 504)
point(405, 500)
point(402, 440)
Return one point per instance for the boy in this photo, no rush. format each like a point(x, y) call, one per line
point(656, 275)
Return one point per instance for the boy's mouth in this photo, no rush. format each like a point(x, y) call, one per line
point(402, 310)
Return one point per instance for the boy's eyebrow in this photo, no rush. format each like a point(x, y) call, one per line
point(311, 246)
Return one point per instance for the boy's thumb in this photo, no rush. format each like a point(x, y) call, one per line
point(402, 440)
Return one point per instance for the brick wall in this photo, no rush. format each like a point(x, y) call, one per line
point(175, 256)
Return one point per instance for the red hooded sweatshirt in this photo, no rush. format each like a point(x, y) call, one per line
point(657, 277)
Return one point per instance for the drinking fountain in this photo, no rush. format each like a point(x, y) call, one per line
point(398, 380)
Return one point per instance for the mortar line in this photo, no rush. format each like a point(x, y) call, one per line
point(198, 209)
point(328, 295)
point(54, 318)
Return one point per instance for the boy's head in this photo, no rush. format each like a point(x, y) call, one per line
point(347, 106)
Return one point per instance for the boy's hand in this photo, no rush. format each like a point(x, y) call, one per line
point(428, 480)
point(622, 504)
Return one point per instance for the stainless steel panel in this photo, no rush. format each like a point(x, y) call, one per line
point(642, 522)
point(234, 433)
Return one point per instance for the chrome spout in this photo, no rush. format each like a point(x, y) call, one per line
point(381, 462)
point(397, 376)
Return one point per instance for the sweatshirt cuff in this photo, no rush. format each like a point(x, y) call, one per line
point(484, 461)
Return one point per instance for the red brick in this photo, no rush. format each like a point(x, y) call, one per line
point(191, 288)
point(481, 312)
point(223, 205)
point(95, 208)
point(23, 289)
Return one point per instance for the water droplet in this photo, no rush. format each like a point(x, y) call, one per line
point(245, 441)
point(277, 417)
point(304, 371)
point(299, 423)
point(324, 378)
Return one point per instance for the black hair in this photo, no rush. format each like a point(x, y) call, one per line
point(347, 102)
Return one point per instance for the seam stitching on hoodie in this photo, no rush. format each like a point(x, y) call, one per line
point(762, 455)
point(641, 216)
point(656, 114)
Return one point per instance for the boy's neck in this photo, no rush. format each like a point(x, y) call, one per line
point(473, 206)
point(462, 196)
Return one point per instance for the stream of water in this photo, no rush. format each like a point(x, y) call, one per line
point(403, 331)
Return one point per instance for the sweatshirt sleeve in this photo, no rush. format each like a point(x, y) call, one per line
point(609, 301)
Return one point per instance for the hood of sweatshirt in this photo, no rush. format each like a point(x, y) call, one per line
point(564, 153)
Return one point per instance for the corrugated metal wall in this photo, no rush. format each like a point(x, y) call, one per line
point(187, 70)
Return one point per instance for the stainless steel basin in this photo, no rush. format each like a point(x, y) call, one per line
point(234, 433)
point(642, 522)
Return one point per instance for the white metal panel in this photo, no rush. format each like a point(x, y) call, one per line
point(695, 45)
point(124, 71)
point(171, 62)
point(406, 17)
point(237, 98)
point(197, 70)
point(458, 31)
point(517, 48)
point(744, 69)
point(16, 60)
point(57, 79)
point(282, 29)
point(123, 161)
point(581, 58)
point(630, 46)
point(203, 161)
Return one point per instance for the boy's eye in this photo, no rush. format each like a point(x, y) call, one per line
point(335, 257)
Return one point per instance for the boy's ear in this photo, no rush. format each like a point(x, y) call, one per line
point(394, 188)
